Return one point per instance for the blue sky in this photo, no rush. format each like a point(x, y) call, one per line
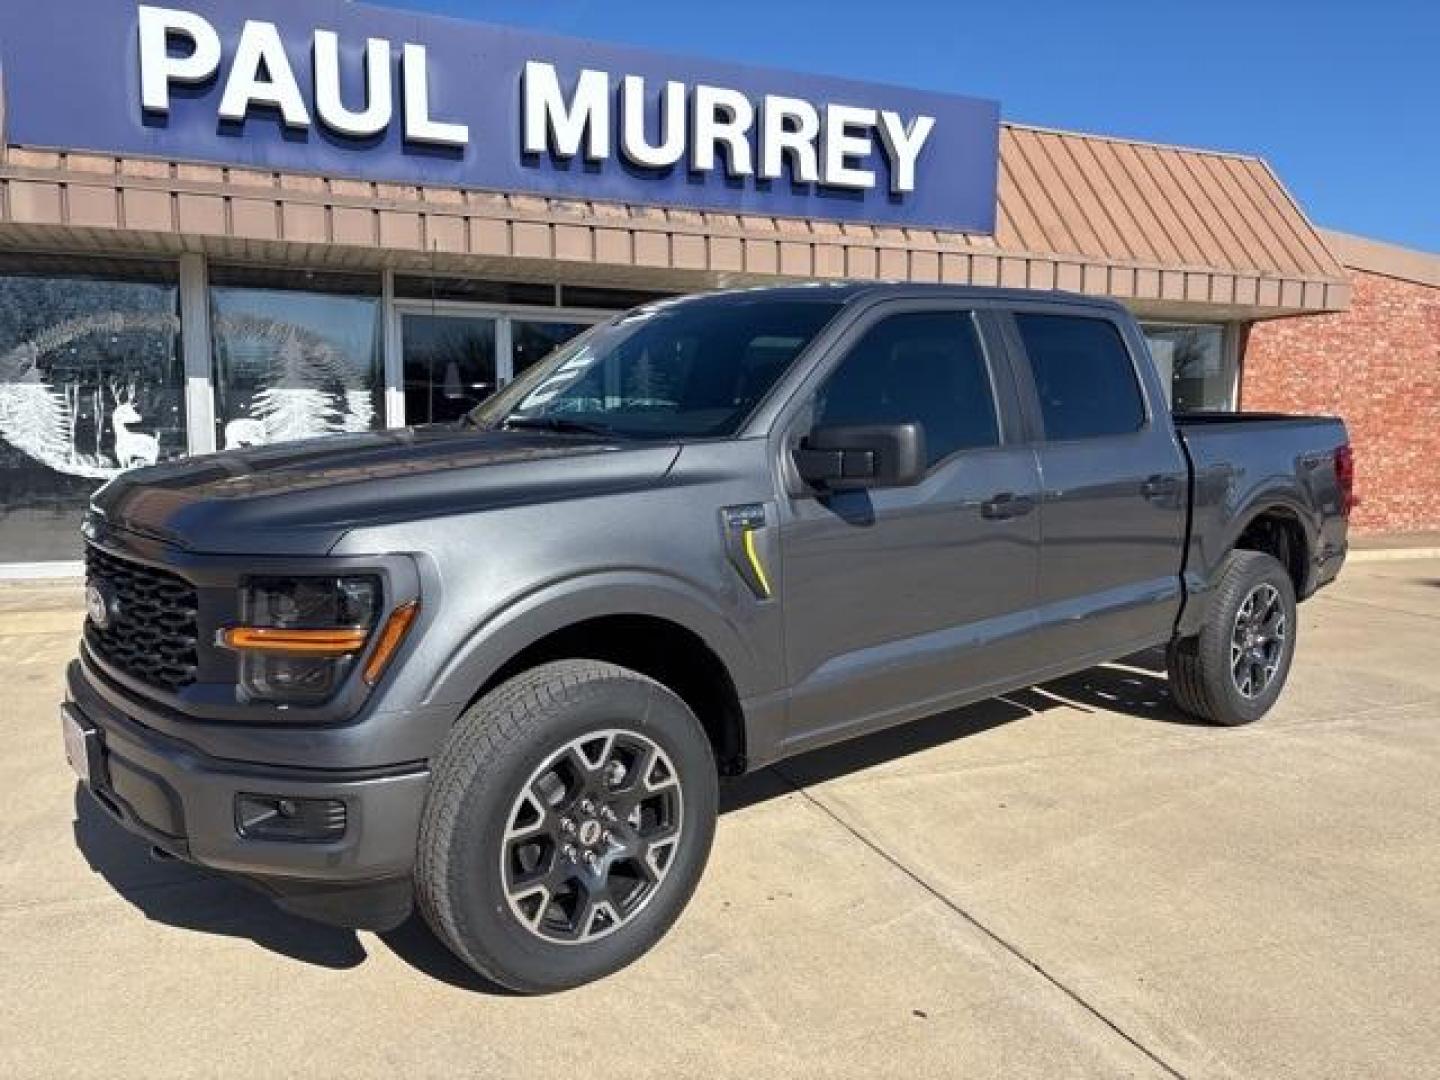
point(1342, 98)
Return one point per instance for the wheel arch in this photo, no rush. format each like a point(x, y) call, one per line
point(1278, 527)
point(659, 627)
point(1274, 522)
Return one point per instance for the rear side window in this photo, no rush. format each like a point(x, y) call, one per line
point(922, 367)
point(1083, 375)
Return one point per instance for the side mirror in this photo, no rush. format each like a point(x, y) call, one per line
point(850, 458)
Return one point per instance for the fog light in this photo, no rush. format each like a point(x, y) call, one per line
point(284, 817)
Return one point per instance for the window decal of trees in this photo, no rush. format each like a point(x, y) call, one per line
point(312, 388)
point(42, 418)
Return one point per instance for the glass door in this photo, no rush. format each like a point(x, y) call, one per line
point(451, 364)
point(455, 355)
point(531, 340)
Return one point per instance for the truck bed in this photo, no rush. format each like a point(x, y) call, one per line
point(1241, 460)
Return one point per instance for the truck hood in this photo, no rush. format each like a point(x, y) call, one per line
point(301, 498)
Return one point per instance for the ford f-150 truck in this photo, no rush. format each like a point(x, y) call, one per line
point(497, 669)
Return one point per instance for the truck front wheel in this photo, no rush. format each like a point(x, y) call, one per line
point(1233, 671)
point(569, 819)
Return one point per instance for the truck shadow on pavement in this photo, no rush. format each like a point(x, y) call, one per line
point(1134, 686)
point(191, 898)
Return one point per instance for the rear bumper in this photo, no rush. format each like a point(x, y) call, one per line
point(1328, 561)
point(184, 803)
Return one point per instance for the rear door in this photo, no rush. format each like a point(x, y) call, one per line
point(1113, 483)
point(897, 599)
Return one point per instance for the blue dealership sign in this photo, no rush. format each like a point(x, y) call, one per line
point(342, 89)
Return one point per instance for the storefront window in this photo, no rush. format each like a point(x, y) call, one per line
point(91, 384)
point(297, 354)
point(1193, 365)
point(449, 366)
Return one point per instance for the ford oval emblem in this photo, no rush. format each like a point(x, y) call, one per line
point(99, 605)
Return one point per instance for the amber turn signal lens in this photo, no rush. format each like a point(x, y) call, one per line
point(266, 639)
point(396, 627)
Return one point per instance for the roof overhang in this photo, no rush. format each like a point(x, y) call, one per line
point(1076, 213)
point(1387, 260)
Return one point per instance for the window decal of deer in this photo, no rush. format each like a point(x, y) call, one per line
point(40, 420)
point(313, 386)
point(132, 448)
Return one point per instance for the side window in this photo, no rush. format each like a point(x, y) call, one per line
point(921, 367)
point(1083, 375)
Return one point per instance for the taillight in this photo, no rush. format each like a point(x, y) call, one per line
point(1345, 478)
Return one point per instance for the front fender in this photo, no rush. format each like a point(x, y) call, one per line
point(521, 623)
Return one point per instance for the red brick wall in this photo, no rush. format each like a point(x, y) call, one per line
point(1378, 366)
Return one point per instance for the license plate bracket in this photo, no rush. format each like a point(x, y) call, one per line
point(82, 745)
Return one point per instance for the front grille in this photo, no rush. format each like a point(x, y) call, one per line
point(151, 633)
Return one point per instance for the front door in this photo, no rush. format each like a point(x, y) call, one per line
point(898, 600)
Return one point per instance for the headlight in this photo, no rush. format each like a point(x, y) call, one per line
point(311, 603)
point(302, 635)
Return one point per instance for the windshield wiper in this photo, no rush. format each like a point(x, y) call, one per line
point(561, 424)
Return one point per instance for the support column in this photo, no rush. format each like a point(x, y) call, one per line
point(394, 360)
point(504, 351)
point(195, 345)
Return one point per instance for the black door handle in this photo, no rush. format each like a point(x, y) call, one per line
point(1005, 506)
point(1159, 487)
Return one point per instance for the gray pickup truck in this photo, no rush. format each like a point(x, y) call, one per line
point(499, 668)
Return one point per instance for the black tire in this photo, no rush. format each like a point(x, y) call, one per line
point(1203, 681)
point(499, 749)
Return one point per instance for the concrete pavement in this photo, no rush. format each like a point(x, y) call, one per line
point(1073, 881)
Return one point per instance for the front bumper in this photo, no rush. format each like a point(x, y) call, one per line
point(184, 803)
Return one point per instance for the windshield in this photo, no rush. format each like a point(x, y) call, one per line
point(675, 369)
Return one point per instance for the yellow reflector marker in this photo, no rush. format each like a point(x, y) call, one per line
point(266, 639)
point(754, 557)
point(396, 627)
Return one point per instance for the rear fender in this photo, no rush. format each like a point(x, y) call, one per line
point(1200, 580)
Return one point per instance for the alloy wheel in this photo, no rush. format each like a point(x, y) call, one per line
point(591, 836)
point(1257, 640)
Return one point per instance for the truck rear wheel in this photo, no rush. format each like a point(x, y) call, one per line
point(568, 822)
point(1233, 671)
